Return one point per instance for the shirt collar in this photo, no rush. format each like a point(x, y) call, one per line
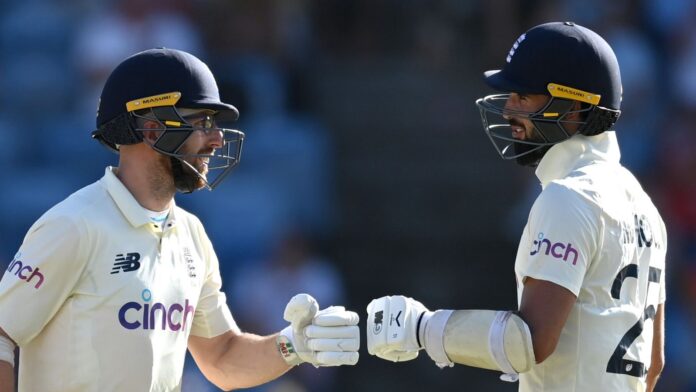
point(576, 152)
point(130, 208)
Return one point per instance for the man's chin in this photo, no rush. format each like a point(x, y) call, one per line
point(529, 154)
point(189, 185)
point(186, 179)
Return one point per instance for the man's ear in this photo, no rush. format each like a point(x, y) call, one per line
point(150, 137)
point(575, 112)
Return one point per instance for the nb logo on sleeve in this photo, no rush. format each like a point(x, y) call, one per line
point(126, 263)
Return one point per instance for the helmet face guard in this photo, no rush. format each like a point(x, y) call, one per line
point(550, 122)
point(175, 128)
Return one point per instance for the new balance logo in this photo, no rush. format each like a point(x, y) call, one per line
point(129, 262)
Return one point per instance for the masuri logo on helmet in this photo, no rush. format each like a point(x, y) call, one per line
point(166, 99)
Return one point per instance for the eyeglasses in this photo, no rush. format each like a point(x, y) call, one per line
point(201, 122)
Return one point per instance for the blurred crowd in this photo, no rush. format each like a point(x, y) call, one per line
point(278, 223)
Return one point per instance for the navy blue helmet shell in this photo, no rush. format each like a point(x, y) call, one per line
point(563, 53)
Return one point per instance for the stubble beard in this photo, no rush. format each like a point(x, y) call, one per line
point(529, 158)
point(161, 179)
point(184, 177)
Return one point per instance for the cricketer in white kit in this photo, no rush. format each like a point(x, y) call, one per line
point(590, 265)
point(112, 285)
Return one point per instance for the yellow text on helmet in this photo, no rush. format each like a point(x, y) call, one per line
point(166, 99)
point(559, 91)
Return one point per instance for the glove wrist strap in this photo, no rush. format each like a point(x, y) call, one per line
point(286, 347)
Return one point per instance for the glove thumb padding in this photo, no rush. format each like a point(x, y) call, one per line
point(335, 316)
point(300, 311)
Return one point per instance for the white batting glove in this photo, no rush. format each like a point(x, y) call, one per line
point(329, 337)
point(392, 327)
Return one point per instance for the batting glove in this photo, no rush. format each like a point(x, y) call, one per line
point(328, 337)
point(392, 327)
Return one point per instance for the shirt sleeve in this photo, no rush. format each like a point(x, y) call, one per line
point(563, 233)
point(213, 316)
point(41, 276)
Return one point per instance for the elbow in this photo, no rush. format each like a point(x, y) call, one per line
point(223, 385)
point(220, 383)
point(218, 378)
point(545, 338)
point(656, 366)
point(543, 348)
point(541, 355)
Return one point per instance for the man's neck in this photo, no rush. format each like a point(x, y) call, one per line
point(150, 190)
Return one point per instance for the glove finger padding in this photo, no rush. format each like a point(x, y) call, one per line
point(351, 344)
point(333, 358)
point(376, 334)
point(335, 316)
point(329, 337)
point(392, 326)
point(348, 331)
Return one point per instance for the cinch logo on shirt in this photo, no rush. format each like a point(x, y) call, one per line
point(25, 271)
point(134, 315)
point(557, 250)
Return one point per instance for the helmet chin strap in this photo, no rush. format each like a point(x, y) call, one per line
point(185, 180)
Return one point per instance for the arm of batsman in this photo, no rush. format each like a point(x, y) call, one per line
point(392, 328)
point(328, 337)
point(398, 327)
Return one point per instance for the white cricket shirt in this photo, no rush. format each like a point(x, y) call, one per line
point(100, 299)
point(594, 231)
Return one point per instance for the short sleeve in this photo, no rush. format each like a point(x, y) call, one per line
point(213, 316)
point(41, 277)
point(562, 235)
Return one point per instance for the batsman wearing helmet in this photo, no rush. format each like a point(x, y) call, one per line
point(111, 286)
point(590, 266)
